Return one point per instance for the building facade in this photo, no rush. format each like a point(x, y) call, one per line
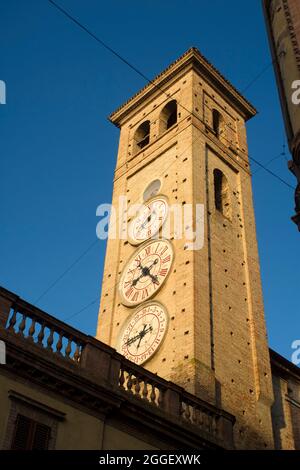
point(283, 27)
point(180, 357)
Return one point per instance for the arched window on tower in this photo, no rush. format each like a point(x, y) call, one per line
point(168, 116)
point(218, 124)
point(142, 136)
point(222, 194)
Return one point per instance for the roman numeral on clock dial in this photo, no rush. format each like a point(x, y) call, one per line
point(145, 272)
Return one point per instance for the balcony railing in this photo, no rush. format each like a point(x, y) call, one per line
point(23, 321)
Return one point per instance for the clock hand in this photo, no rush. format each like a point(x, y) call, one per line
point(145, 271)
point(135, 281)
point(140, 335)
point(143, 333)
point(153, 264)
point(154, 278)
point(147, 220)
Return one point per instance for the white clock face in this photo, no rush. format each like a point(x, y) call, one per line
point(149, 220)
point(143, 332)
point(145, 272)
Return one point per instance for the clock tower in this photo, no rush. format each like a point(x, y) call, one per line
point(193, 314)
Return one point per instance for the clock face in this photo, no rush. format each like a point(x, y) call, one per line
point(145, 272)
point(149, 220)
point(143, 332)
point(152, 189)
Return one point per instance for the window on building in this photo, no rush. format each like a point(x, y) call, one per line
point(168, 116)
point(30, 435)
point(222, 193)
point(218, 124)
point(142, 136)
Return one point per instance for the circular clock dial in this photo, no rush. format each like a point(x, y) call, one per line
point(144, 332)
point(152, 189)
point(145, 272)
point(149, 220)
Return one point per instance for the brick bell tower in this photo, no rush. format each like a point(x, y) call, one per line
point(195, 317)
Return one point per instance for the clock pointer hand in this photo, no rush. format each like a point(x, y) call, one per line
point(154, 279)
point(145, 271)
point(143, 333)
point(138, 336)
point(153, 264)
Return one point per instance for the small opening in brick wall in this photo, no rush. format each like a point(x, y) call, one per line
point(187, 262)
point(184, 160)
point(172, 318)
point(126, 242)
point(186, 332)
point(163, 360)
point(183, 309)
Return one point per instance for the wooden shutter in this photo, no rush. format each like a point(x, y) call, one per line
point(41, 437)
point(30, 435)
point(22, 433)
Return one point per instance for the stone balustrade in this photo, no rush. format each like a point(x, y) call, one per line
point(24, 322)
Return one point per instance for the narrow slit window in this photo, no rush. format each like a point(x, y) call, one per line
point(218, 124)
point(222, 194)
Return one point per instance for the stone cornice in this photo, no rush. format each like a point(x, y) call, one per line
point(191, 59)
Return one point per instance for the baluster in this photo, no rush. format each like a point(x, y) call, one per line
point(13, 320)
point(50, 340)
point(181, 410)
point(214, 425)
point(145, 390)
point(122, 379)
point(31, 330)
point(59, 344)
point(193, 415)
point(160, 400)
point(129, 382)
point(153, 394)
point(68, 348)
point(209, 422)
point(22, 325)
point(77, 352)
point(137, 387)
point(41, 335)
point(200, 419)
point(187, 413)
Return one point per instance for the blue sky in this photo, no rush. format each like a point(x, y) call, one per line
point(58, 150)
